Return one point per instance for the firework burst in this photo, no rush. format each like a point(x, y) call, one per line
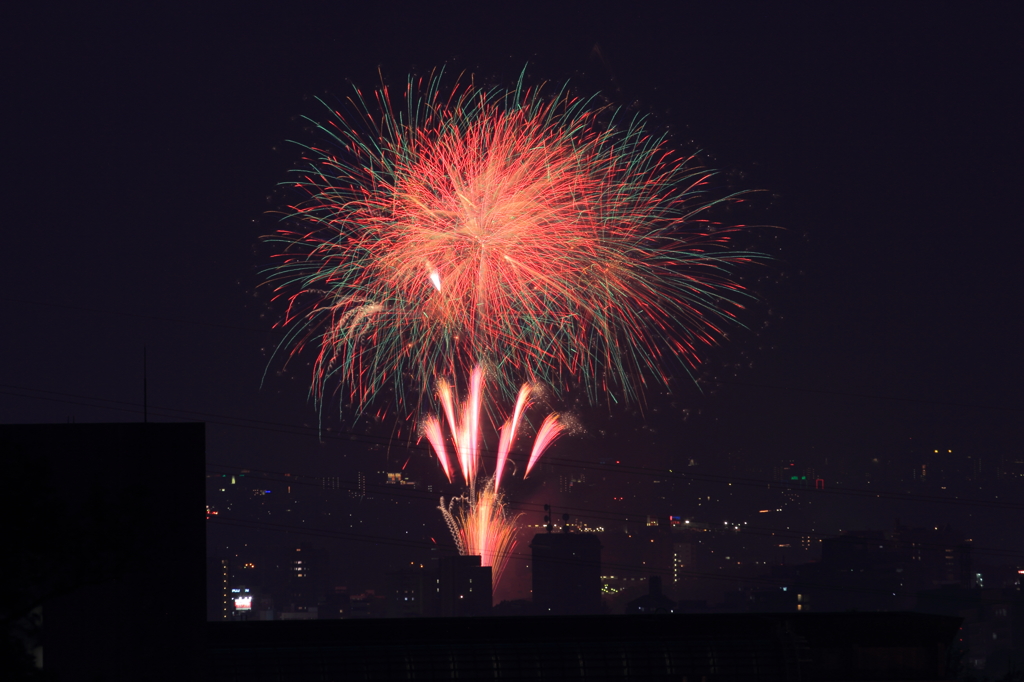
point(541, 234)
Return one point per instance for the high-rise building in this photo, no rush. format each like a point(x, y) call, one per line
point(463, 587)
point(412, 592)
point(683, 561)
point(300, 579)
point(218, 589)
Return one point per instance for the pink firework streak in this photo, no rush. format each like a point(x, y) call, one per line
point(549, 430)
point(482, 526)
point(508, 433)
point(464, 425)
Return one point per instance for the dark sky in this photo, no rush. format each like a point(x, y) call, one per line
point(141, 145)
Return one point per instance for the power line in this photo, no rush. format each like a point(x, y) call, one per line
point(592, 514)
point(550, 460)
point(139, 316)
point(867, 396)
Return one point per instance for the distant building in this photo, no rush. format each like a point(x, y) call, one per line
point(218, 589)
point(249, 603)
point(412, 592)
point(298, 578)
point(990, 642)
point(652, 602)
point(398, 478)
point(871, 570)
point(684, 561)
point(336, 605)
point(463, 587)
point(566, 573)
point(789, 473)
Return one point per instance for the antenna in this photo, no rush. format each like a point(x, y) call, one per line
point(145, 388)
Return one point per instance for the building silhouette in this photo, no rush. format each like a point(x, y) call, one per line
point(116, 548)
point(652, 602)
point(566, 573)
point(413, 592)
point(463, 586)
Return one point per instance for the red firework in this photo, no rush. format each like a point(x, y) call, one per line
point(538, 234)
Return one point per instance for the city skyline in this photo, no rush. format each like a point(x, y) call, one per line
point(143, 148)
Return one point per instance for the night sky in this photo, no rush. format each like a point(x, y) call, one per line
point(143, 146)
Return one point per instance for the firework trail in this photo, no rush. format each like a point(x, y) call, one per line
point(508, 432)
point(543, 235)
point(478, 520)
